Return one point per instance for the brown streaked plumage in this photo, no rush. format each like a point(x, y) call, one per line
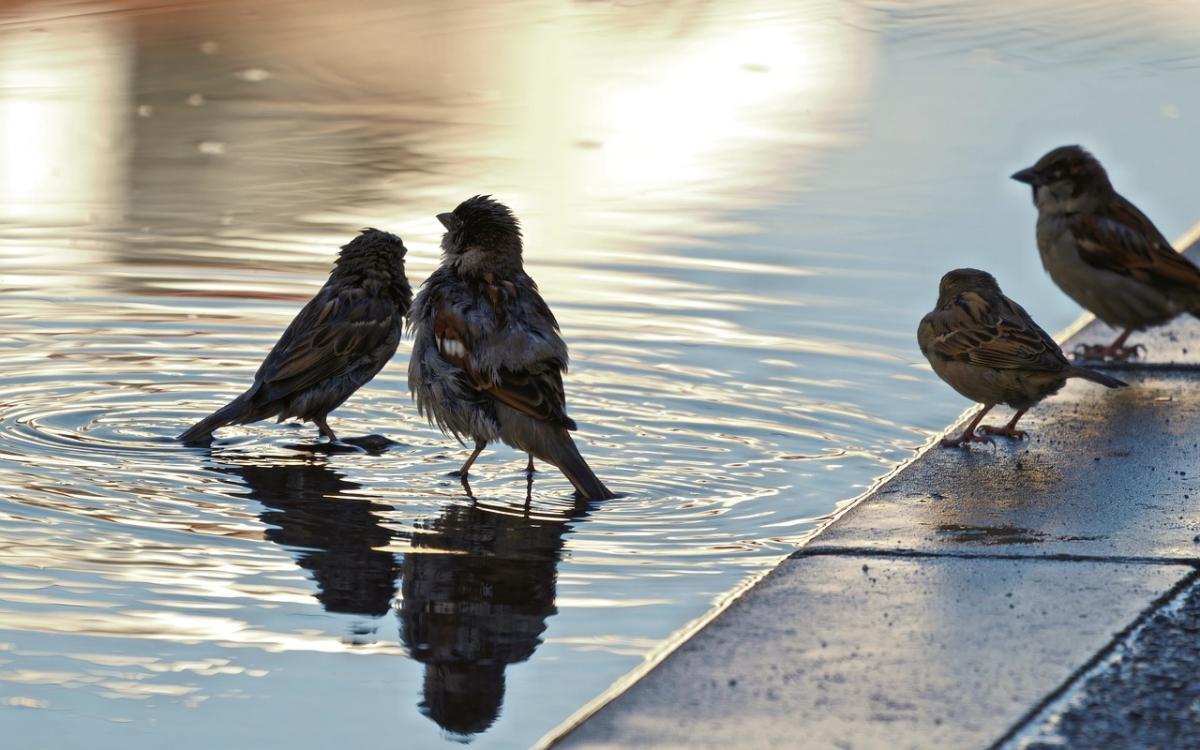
point(335, 344)
point(986, 347)
point(488, 359)
point(1103, 252)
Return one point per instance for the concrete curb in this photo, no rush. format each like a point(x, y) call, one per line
point(964, 600)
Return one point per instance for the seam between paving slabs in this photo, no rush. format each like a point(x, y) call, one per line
point(1179, 589)
point(1193, 562)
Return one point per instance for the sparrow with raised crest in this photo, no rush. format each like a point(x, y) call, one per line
point(1103, 252)
point(335, 344)
point(487, 360)
point(986, 347)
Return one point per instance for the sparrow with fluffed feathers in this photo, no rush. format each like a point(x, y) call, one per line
point(986, 347)
point(339, 341)
point(488, 360)
point(1103, 252)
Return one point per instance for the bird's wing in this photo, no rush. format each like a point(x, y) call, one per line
point(536, 389)
point(1119, 238)
point(336, 327)
point(993, 333)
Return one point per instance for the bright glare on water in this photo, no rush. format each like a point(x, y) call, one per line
point(738, 210)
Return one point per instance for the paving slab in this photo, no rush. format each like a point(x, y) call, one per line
point(1145, 696)
point(880, 652)
point(1104, 473)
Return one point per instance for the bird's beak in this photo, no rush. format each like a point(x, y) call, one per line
point(448, 220)
point(1025, 175)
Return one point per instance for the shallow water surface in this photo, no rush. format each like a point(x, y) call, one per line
point(739, 211)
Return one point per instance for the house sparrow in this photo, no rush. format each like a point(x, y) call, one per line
point(487, 359)
point(988, 349)
point(1103, 252)
point(338, 342)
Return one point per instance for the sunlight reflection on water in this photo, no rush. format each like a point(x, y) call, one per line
point(734, 208)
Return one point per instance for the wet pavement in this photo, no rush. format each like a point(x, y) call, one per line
point(1031, 594)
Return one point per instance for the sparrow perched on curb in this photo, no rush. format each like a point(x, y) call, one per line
point(1103, 252)
point(487, 359)
point(988, 349)
point(335, 344)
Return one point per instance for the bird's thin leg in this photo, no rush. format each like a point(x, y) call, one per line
point(466, 467)
point(1121, 353)
point(968, 435)
point(1116, 351)
point(529, 467)
point(326, 431)
point(1010, 429)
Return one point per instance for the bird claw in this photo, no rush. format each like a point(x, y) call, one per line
point(1098, 353)
point(1006, 431)
point(963, 441)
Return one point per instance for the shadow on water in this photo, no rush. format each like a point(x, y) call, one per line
point(476, 589)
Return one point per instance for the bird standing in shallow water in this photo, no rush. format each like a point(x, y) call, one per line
point(1103, 252)
point(487, 359)
point(335, 344)
point(988, 349)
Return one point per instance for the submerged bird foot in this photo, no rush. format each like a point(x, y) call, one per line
point(1005, 431)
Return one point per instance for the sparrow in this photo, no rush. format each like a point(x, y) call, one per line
point(335, 344)
point(487, 360)
point(1103, 252)
point(986, 347)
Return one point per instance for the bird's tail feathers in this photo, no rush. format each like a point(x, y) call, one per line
point(232, 413)
point(568, 460)
point(1096, 377)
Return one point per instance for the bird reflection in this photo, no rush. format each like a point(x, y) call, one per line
point(311, 507)
point(477, 590)
point(477, 586)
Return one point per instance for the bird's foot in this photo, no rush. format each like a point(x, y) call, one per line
point(1111, 353)
point(1005, 431)
point(966, 439)
point(373, 444)
point(326, 446)
point(458, 473)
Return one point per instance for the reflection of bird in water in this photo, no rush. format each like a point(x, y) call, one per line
point(308, 507)
point(477, 589)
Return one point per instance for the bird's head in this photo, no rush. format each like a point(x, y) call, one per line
point(962, 280)
point(374, 257)
point(373, 241)
point(1065, 179)
point(373, 251)
point(482, 235)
